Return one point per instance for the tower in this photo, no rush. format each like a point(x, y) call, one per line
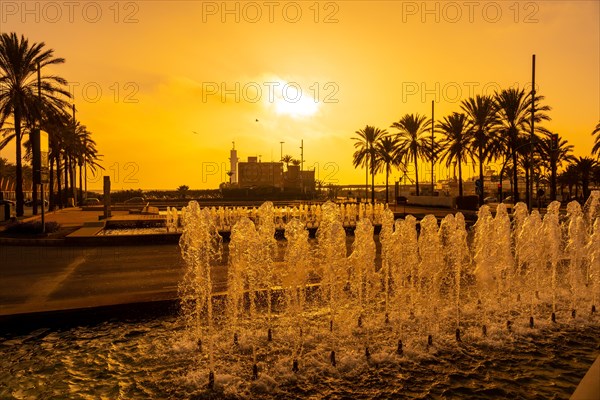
point(233, 161)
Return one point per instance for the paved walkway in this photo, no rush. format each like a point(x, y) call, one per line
point(41, 279)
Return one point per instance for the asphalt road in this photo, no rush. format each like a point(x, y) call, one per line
point(34, 279)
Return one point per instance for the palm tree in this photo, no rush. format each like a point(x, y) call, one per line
point(366, 140)
point(287, 159)
point(553, 158)
point(596, 147)
point(18, 91)
point(455, 143)
point(569, 177)
point(414, 140)
point(387, 153)
point(584, 167)
point(513, 108)
point(481, 112)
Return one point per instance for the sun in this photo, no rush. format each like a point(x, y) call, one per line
point(293, 100)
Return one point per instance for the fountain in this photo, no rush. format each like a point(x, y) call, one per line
point(427, 285)
point(424, 308)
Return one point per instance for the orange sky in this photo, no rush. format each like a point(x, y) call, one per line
point(147, 74)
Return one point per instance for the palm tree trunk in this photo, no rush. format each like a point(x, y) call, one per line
point(51, 185)
point(34, 193)
point(460, 185)
point(66, 191)
point(527, 178)
point(367, 178)
point(416, 174)
point(59, 200)
point(515, 175)
point(80, 185)
point(553, 175)
point(387, 175)
point(481, 174)
point(372, 180)
point(73, 191)
point(19, 168)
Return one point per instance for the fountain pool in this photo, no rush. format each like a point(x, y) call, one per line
point(505, 310)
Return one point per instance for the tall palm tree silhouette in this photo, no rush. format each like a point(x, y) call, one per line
point(414, 141)
point(19, 61)
point(455, 143)
point(554, 158)
point(514, 120)
point(596, 147)
point(481, 112)
point(584, 167)
point(387, 153)
point(365, 155)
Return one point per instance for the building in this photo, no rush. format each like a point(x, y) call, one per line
point(233, 162)
point(253, 173)
point(269, 178)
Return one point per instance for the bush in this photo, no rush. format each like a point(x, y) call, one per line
point(31, 228)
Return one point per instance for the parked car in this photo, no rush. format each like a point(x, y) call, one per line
point(509, 199)
point(91, 201)
point(29, 203)
point(9, 202)
point(135, 200)
point(490, 199)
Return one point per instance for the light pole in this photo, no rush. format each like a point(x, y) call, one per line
point(281, 144)
point(432, 147)
point(532, 136)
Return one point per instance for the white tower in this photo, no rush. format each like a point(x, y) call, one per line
point(233, 161)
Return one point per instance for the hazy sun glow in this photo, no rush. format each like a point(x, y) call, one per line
point(292, 100)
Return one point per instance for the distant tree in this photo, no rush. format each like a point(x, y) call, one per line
point(414, 140)
point(287, 159)
point(365, 141)
point(596, 147)
point(514, 119)
point(553, 159)
point(481, 112)
point(585, 167)
point(182, 190)
point(295, 162)
point(387, 153)
point(455, 143)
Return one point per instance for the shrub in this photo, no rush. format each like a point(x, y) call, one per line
point(31, 228)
